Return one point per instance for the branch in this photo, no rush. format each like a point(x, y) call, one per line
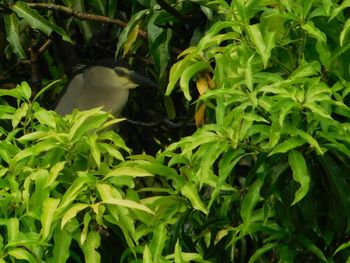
point(166, 122)
point(45, 46)
point(84, 16)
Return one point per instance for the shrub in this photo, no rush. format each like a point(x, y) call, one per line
point(67, 191)
point(271, 164)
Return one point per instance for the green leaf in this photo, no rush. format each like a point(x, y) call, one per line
point(84, 232)
point(6, 111)
point(129, 29)
point(306, 70)
point(72, 212)
point(147, 255)
point(12, 229)
point(249, 202)
point(128, 171)
point(265, 248)
point(300, 174)
point(207, 40)
point(47, 216)
point(158, 241)
point(20, 253)
point(110, 150)
point(274, 134)
point(32, 17)
point(342, 247)
point(344, 32)
point(22, 91)
point(176, 72)
point(19, 114)
point(44, 89)
point(62, 241)
point(13, 35)
point(321, 45)
point(309, 245)
point(288, 145)
point(46, 117)
point(86, 122)
point(128, 204)
point(337, 10)
point(307, 137)
point(100, 6)
point(159, 39)
point(72, 192)
point(189, 73)
point(25, 90)
point(248, 74)
point(178, 253)
point(93, 242)
point(54, 172)
point(263, 48)
point(94, 149)
point(190, 192)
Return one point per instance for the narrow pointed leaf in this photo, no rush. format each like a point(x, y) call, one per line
point(300, 174)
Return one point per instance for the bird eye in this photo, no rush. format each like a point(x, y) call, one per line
point(121, 71)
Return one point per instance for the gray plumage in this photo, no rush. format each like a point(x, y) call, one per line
point(100, 85)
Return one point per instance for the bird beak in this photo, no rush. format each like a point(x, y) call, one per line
point(135, 77)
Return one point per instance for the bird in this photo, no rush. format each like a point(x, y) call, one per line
point(105, 84)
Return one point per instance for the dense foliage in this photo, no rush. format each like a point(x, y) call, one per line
point(264, 177)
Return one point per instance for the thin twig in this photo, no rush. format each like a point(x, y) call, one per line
point(166, 122)
point(84, 16)
point(45, 46)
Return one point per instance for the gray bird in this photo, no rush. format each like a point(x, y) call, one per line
point(104, 84)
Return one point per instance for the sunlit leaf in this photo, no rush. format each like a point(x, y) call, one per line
point(54, 172)
point(84, 232)
point(87, 121)
point(147, 255)
point(95, 152)
point(128, 171)
point(344, 32)
point(12, 229)
point(109, 149)
point(190, 192)
point(344, 4)
point(263, 48)
point(71, 193)
point(93, 241)
point(158, 241)
point(21, 253)
point(47, 216)
point(189, 73)
point(46, 117)
point(72, 212)
point(307, 70)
